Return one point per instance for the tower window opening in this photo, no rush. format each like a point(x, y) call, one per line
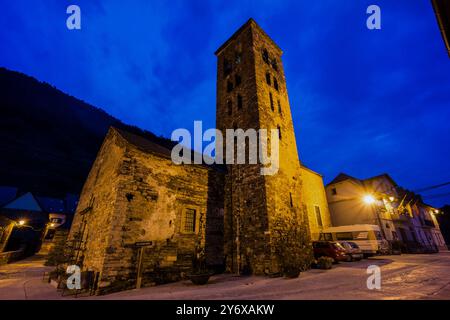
point(238, 57)
point(290, 199)
point(274, 65)
point(275, 84)
point(237, 80)
point(279, 132)
point(229, 86)
point(279, 108)
point(239, 102)
point(230, 107)
point(227, 68)
point(265, 56)
point(271, 101)
point(268, 78)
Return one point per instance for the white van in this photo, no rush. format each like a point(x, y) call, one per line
point(367, 236)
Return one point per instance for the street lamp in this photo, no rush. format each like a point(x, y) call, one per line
point(21, 222)
point(368, 199)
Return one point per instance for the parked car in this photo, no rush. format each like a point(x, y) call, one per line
point(352, 250)
point(329, 249)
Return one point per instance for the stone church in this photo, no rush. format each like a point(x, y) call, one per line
point(141, 219)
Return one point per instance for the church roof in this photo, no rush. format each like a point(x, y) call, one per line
point(144, 144)
point(148, 146)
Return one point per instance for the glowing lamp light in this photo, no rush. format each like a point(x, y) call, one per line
point(391, 199)
point(52, 225)
point(436, 211)
point(368, 199)
point(21, 222)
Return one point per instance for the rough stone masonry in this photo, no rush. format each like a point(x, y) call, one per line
point(139, 212)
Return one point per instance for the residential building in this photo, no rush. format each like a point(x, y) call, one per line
point(400, 214)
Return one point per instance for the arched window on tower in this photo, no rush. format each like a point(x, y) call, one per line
point(230, 107)
point(279, 107)
point(237, 80)
point(268, 78)
point(271, 101)
point(229, 86)
point(275, 84)
point(265, 56)
point(239, 102)
point(227, 67)
point(279, 132)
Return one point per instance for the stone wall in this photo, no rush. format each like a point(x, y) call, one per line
point(11, 256)
point(252, 200)
point(142, 197)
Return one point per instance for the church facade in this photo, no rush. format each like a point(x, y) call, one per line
point(142, 220)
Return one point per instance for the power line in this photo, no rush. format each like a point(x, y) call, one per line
point(433, 187)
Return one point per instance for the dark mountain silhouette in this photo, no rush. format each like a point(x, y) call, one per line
point(48, 139)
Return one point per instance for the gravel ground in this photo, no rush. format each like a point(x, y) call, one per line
point(402, 277)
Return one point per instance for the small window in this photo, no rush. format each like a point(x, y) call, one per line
point(189, 220)
point(238, 57)
point(229, 86)
point(279, 107)
point(279, 132)
point(275, 84)
point(271, 101)
point(237, 80)
point(318, 216)
point(268, 78)
point(274, 64)
point(344, 236)
point(290, 199)
point(226, 67)
point(334, 191)
point(230, 107)
point(239, 102)
point(265, 56)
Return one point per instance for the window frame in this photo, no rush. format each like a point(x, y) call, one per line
point(195, 220)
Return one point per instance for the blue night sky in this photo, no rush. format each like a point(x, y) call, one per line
point(363, 102)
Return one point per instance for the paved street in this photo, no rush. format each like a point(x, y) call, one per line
point(403, 277)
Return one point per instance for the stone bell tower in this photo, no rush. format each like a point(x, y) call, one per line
point(252, 94)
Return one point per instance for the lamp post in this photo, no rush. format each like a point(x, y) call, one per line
point(369, 199)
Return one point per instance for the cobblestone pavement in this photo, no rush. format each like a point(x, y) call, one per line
point(402, 277)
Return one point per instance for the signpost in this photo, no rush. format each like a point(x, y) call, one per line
point(141, 247)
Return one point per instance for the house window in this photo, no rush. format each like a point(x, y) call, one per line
point(268, 78)
point(318, 216)
point(279, 132)
point(279, 107)
point(230, 107)
point(189, 220)
point(229, 86)
point(271, 101)
point(334, 191)
point(239, 102)
point(237, 80)
point(275, 84)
